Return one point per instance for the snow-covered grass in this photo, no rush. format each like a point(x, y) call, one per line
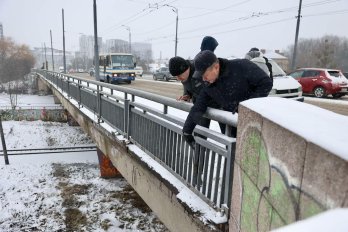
point(64, 191)
point(39, 134)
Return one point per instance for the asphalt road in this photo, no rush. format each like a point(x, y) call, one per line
point(173, 89)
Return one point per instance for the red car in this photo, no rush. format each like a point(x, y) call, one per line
point(321, 82)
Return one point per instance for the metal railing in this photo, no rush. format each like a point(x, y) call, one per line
point(143, 119)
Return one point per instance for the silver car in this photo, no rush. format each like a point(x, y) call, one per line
point(163, 74)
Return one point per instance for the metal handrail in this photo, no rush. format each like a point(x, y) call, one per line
point(207, 169)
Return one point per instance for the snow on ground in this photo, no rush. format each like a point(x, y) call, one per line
point(27, 100)
point(39, 134)
point(64, 191)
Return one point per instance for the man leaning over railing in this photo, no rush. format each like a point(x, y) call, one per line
point(229, 82)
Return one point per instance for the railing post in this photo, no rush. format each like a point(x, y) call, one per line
point(229, 176)
point(126, 117)
point(99, 88)
point(79, 89)
point(68, 90)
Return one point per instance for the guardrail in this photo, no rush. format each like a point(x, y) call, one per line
point(143, 119)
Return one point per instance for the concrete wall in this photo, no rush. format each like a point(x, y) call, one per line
point(158, 194)
point(280, 177)
point(54, 115)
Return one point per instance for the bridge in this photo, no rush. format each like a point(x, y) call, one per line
point(275, 173)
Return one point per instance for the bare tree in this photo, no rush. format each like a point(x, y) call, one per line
point(15, 60)
point(326, 52)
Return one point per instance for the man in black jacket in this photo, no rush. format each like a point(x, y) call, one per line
point(184, 70)
point(229, 82)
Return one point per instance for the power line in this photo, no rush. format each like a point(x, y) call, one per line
point(254, 26)
point(158, 5)
point(135, 17)
point(329, 13)
point(218, 10)
point(254, 14)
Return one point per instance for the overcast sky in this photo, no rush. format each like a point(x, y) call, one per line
point(238, 25)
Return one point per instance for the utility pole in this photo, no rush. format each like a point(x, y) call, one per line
point(4, 149)
point(293, 66)
point(129, 38)
point(176, 31)
point(52, 51)
point(176, 27)
point(96, 52)
point(46, 63)
point(64, 61)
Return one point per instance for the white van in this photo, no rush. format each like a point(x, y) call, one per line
point(61, 69)
point(283, 85)
point(138, 71)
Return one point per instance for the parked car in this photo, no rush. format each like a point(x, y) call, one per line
point(138, 71)
point(321, 82)
point(163, 74)
point(80, 70)
point(283, 85)
point(91, 72)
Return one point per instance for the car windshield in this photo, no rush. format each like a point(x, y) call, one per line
point(276, 69)
point(122, 61)
point(164, 69)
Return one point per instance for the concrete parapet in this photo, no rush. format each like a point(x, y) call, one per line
point(282, 176)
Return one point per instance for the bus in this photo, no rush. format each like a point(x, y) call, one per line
point(116, 68)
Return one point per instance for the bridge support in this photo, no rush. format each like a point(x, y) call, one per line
point(56, 100)
point(42, 87)
point(107, 169)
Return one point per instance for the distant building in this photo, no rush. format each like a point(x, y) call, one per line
point(278, 57)
point(1, 31)
point(86, 44)
point(39, 54)
point(116, 45)
point(142, 50)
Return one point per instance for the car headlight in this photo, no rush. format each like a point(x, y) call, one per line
point(299, 89)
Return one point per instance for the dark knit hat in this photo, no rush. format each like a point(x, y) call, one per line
point(254, 49)
point(202, 61)
point(178, 65)
point(209, 43)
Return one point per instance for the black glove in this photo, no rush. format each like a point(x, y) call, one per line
point(190, 140)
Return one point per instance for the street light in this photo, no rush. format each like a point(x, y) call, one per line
point(176, 30)
point(130, 41)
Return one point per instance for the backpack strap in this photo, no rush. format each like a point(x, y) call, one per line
point(269, 66)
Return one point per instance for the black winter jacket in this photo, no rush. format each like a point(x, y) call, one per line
point(238, 80)
point(194, 85)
